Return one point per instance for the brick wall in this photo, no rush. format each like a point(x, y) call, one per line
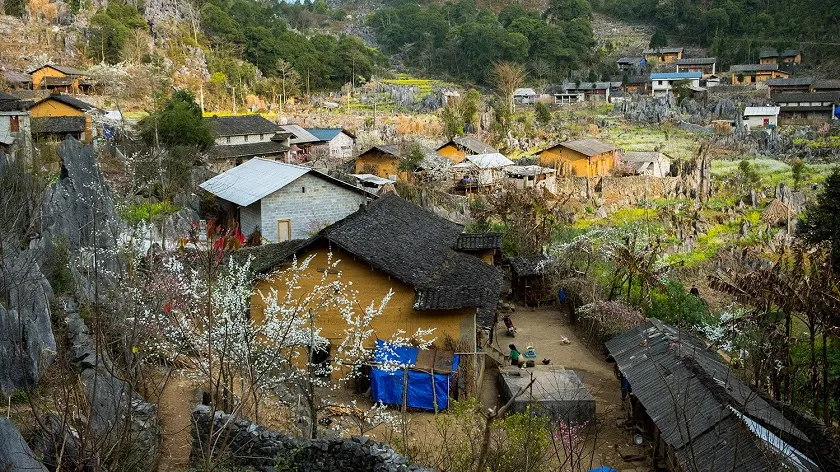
point(310, 203)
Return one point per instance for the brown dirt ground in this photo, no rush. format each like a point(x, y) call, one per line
point(543, 329)
point(176, 403)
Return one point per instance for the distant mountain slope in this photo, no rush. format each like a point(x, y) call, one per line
point(736, 30)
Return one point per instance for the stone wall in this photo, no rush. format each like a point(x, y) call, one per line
point(627, 190)
point(633, 189)
point(246, 444)
point(310, 203)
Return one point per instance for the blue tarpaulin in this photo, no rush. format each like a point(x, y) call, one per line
point(387, 386)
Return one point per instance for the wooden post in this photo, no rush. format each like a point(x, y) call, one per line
point(405, 388)
point(434, 391)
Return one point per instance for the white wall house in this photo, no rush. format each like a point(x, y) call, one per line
point(283, 201)
point(335, 143)
point(664, 83)
point(15, 127)
point(480, 170)
point(240, 138)
point(653, 163)
point(761, 117)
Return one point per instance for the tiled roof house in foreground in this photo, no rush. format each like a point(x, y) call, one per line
point(440, 276)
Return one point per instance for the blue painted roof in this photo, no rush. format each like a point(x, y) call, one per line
point(676, 75)
point(324, 134)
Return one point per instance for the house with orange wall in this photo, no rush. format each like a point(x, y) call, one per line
point(59, 115)
point(580, 158)
point(63, 79)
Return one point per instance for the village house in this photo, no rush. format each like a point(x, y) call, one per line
point(533, 176)
point(568, 98)
point(704, 65)
point(631, 65)
point(461, 146)
point(283, 201)
point(301, 142)
point(663, 55)
point(598, 91)
point(637, 84)
point(17, 80)
point(241, 138)
point(653, 163)
point(813, 106)
point(761, 117)
point(752, 73)
point(791, 84)
point(441, 278)
point(15, 129)
point(60, 115)
point(62, 79)
point(665, 83)
point(580, 158)
point(373, 183)
point(480, 171)
point(333, 143)
point(829, 85)
point(384, 161)
point(772, 56)
point(525, 96)
point(696, 411)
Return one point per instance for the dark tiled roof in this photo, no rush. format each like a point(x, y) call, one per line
point(478, 241)
point(267, 257)
point(529, 266)
point(662, 51)
point(58, 125)
point(17, 77)
point(629, 60)
point(241, 125)
point(753, 67)
point(10, 103)
point(826, 84)
point(416, 247)
point(797, 97)
point(431, 158)
point(267, 148)
point(662, 364)
point(696, 60)
point(768, 53)
point(68, 100)
point(588, 147)
point(63, 69)
point(58, 81)
point(473, 145)
point(790, 81)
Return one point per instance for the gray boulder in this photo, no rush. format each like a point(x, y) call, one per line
point(15, 455)
point(79, 211)
point(27, 344)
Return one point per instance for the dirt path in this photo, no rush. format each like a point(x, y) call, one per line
point(175, 407)
point(544, 328)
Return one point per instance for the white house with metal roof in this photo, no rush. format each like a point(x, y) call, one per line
point(283, 201)
point(480, 170)
point(761, 117)
point(663, 83)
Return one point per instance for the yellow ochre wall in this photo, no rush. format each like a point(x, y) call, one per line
point(38, 77)
point(760, 76)
point(384, 165)
point(451, 152)
point(372, 285)
point(570, 162)
point(664, 57)
point(52, 108)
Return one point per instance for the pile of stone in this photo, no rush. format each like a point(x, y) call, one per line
point(246, 444)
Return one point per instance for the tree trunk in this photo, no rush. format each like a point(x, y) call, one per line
point(814, 377)
point(825, 397)
point(788, 360)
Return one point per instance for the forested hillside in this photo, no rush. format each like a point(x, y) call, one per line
point(736, 30)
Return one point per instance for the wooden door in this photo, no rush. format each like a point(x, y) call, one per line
point(284, 230)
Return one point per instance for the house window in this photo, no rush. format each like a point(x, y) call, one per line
point(227, 140)
point(303, 190)
point(261, 136)
point(14, 124)
point(246, 138)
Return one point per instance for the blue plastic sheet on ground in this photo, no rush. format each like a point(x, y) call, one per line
point(387, 386)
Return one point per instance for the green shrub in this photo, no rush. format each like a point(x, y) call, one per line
point(675, 305)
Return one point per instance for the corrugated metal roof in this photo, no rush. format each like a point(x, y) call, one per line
point(253, 180)
point(489, 161)
point(761, 111)
point(301, 136)
point(675, 75)
point(524, 92)
point(324, 134)
point(629, 60)
point(472, 144)
point(643, 156)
